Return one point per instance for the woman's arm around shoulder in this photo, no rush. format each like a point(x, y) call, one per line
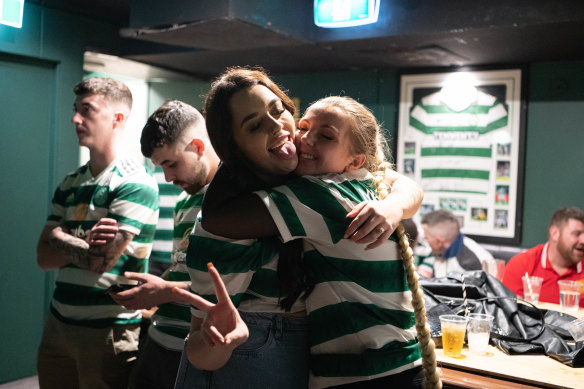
point(375, 221)
point(229, 212)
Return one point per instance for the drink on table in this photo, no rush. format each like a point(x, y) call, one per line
point(478, 341)
point(479, 328)
point(531, 288)
point(453, 330)
point(569, 295)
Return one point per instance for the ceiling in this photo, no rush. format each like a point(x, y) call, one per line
point(202, 37)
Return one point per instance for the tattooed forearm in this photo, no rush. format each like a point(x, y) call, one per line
point(111, 252)
point(74, 248)
point(79, 252)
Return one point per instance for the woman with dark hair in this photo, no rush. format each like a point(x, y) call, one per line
point(251, 127)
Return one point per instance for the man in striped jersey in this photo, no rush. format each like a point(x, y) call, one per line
point(174, 138)
point(161, 255)
point(451, 250)
point(101, 224)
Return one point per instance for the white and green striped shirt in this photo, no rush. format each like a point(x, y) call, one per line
point(362, 323)
point(171, 322)
point(456, 146)
point(248, 268)
point(162, 244)
point(124, 191)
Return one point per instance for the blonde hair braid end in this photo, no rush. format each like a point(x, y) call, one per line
point(427, 346)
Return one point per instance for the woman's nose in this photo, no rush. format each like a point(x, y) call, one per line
point(307, 138)
point(275, 125)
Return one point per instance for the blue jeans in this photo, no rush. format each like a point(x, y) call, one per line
point(276, 353)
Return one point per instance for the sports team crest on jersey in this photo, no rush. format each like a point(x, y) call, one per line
point(100, 197)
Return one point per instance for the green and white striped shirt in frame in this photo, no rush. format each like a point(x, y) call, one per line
point(124, 191)
point(162, 245)
point(171, 322)
point(456, 145)
point(248, 268)
point(362, 323)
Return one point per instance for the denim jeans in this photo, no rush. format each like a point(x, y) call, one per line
point(276, 353)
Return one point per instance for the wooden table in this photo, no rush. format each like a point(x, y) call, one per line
point(495, 369)
point(556, 307)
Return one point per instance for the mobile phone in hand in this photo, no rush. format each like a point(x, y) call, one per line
point(116, 288)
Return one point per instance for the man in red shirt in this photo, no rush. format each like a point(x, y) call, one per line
point(558, 259)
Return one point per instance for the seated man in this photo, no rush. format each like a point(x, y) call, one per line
point(451, 250)
point(558, 259)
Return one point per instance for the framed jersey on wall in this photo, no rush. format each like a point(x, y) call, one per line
point(461, 136)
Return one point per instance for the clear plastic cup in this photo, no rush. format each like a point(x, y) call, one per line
point(576, 328)
point(570, 295)
point(453, 330)
point(531, 288)
point(479, 328)
point(495, 267)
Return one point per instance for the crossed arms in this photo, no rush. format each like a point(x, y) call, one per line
point(99, 252)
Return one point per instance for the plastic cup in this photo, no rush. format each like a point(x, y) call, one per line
point(453, 330)
point(576, 328)
point(531, 288)
point(495, 267)
point(479, 328)
point(569, 295)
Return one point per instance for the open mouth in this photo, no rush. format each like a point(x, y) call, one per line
point(284, 148)
point(307, 156)
point(281, 142)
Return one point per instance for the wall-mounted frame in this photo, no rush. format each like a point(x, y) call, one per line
point(461, 136)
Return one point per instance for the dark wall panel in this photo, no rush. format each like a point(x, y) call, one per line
point(554, 168)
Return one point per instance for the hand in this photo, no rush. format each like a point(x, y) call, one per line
point(103, 232)
point(108, 254)
point(152, 292)
point(222, 327)
point(373, 223)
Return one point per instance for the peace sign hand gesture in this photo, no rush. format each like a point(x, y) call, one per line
point(223, 326)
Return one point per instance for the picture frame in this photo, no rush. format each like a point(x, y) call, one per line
point(461, 135)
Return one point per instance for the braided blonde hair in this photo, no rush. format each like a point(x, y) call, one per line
point(367, 139)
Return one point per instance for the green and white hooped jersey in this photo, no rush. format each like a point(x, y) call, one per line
point(456, 146)
point(362, 324)
point(162, 244)
point(127, 192)
point(171, 322)
point(248, 268)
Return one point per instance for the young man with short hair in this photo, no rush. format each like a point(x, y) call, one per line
point(174, 138)
point(101, 224)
